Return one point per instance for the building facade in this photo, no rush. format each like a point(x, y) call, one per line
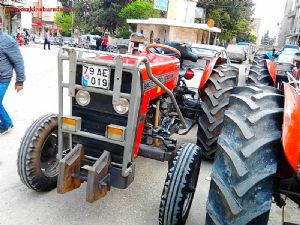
point(10, 15)
point(178, 26)
point(290, 24)
point(255, 29)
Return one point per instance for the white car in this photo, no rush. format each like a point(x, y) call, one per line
point(205, 54)
point(236, 53)
point(88, 41)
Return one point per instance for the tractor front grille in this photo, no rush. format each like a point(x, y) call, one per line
point(97, 115)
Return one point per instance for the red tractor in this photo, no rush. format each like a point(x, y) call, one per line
point(258, 150)
point(122, 107)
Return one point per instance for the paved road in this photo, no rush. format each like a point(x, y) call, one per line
point(134, 206)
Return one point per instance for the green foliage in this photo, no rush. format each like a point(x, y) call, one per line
point(96, 32)
point(123, 32)
point(139, 9)
point(246, 37)
point(92, 14)
point(64, 20)
point(232, 16)
point(252, 38)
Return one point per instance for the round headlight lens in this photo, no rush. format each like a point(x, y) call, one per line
point(83, 98)
point(122, 107)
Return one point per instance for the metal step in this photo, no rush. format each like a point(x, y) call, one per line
point(68, 166)
point(98, 179)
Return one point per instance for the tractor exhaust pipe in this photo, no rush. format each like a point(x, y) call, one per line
point(162, 86)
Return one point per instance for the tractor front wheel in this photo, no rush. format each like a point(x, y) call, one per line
point(180, 186)
point(37, 163)
point(244, 169)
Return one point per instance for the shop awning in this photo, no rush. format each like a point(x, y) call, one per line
point(37, 24)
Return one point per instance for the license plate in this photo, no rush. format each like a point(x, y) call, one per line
point(96, 76)
point(281, 72)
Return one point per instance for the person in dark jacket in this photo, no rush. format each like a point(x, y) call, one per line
point(46, 39)
point(98, 43)
point(11, 59)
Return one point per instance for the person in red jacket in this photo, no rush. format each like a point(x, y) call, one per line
point(104, 43)
point(20, 39)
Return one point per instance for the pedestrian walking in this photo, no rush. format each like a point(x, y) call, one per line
point(11, 59)
point(46, 40)
point(104, 43)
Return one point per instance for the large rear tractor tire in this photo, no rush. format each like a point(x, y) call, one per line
point(37, 163)
point(259, 75)
point(258, 61)
point(215, 99)
point(180, 186)
point(243, 172)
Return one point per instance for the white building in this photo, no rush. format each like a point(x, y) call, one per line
point(179, 26)
point(255, 29)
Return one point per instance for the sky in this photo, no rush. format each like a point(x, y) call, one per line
point(271, 13)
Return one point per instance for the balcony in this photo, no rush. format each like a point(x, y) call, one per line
point(14, 3)
point(291, 14)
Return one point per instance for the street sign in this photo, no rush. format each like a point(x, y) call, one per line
point(161, 5)
point(210, 23)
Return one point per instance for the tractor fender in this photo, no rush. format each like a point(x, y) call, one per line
point(291, 126)
point(207, 72)
point(272, 69)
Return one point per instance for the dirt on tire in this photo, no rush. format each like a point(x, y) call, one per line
point(243, 172)
point(215, 99)
point(31, 156)
point(180, 186)
point(259, 75)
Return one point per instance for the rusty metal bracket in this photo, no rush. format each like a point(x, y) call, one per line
point(98, 181)
point(68, 166)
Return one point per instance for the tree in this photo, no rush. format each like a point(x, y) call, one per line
point(139, 10)
point(92, 14)
point(65, 22)
point(246, 37)
point(123, 32)
point(232, 16)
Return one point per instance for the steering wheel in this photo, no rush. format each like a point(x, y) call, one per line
point(167, 47)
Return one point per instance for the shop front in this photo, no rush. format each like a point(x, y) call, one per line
point(11, 16)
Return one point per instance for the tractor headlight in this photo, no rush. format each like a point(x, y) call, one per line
point(83, 98)
point(122, 107)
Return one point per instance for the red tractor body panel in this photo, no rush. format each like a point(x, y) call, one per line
point(207, 72)
point(291, 127)
point(166, 69)
point(167, 72)
point(272, 69)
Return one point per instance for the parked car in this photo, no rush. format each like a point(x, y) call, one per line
point(88, 41)
point(51, 40)
point(236, 53)
point(287, 55)
point(202, 50)
point(68, 41)
point(290, 46)
point(195, 58)
point(205, 54)
point(38, 40)
point(75, 42)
